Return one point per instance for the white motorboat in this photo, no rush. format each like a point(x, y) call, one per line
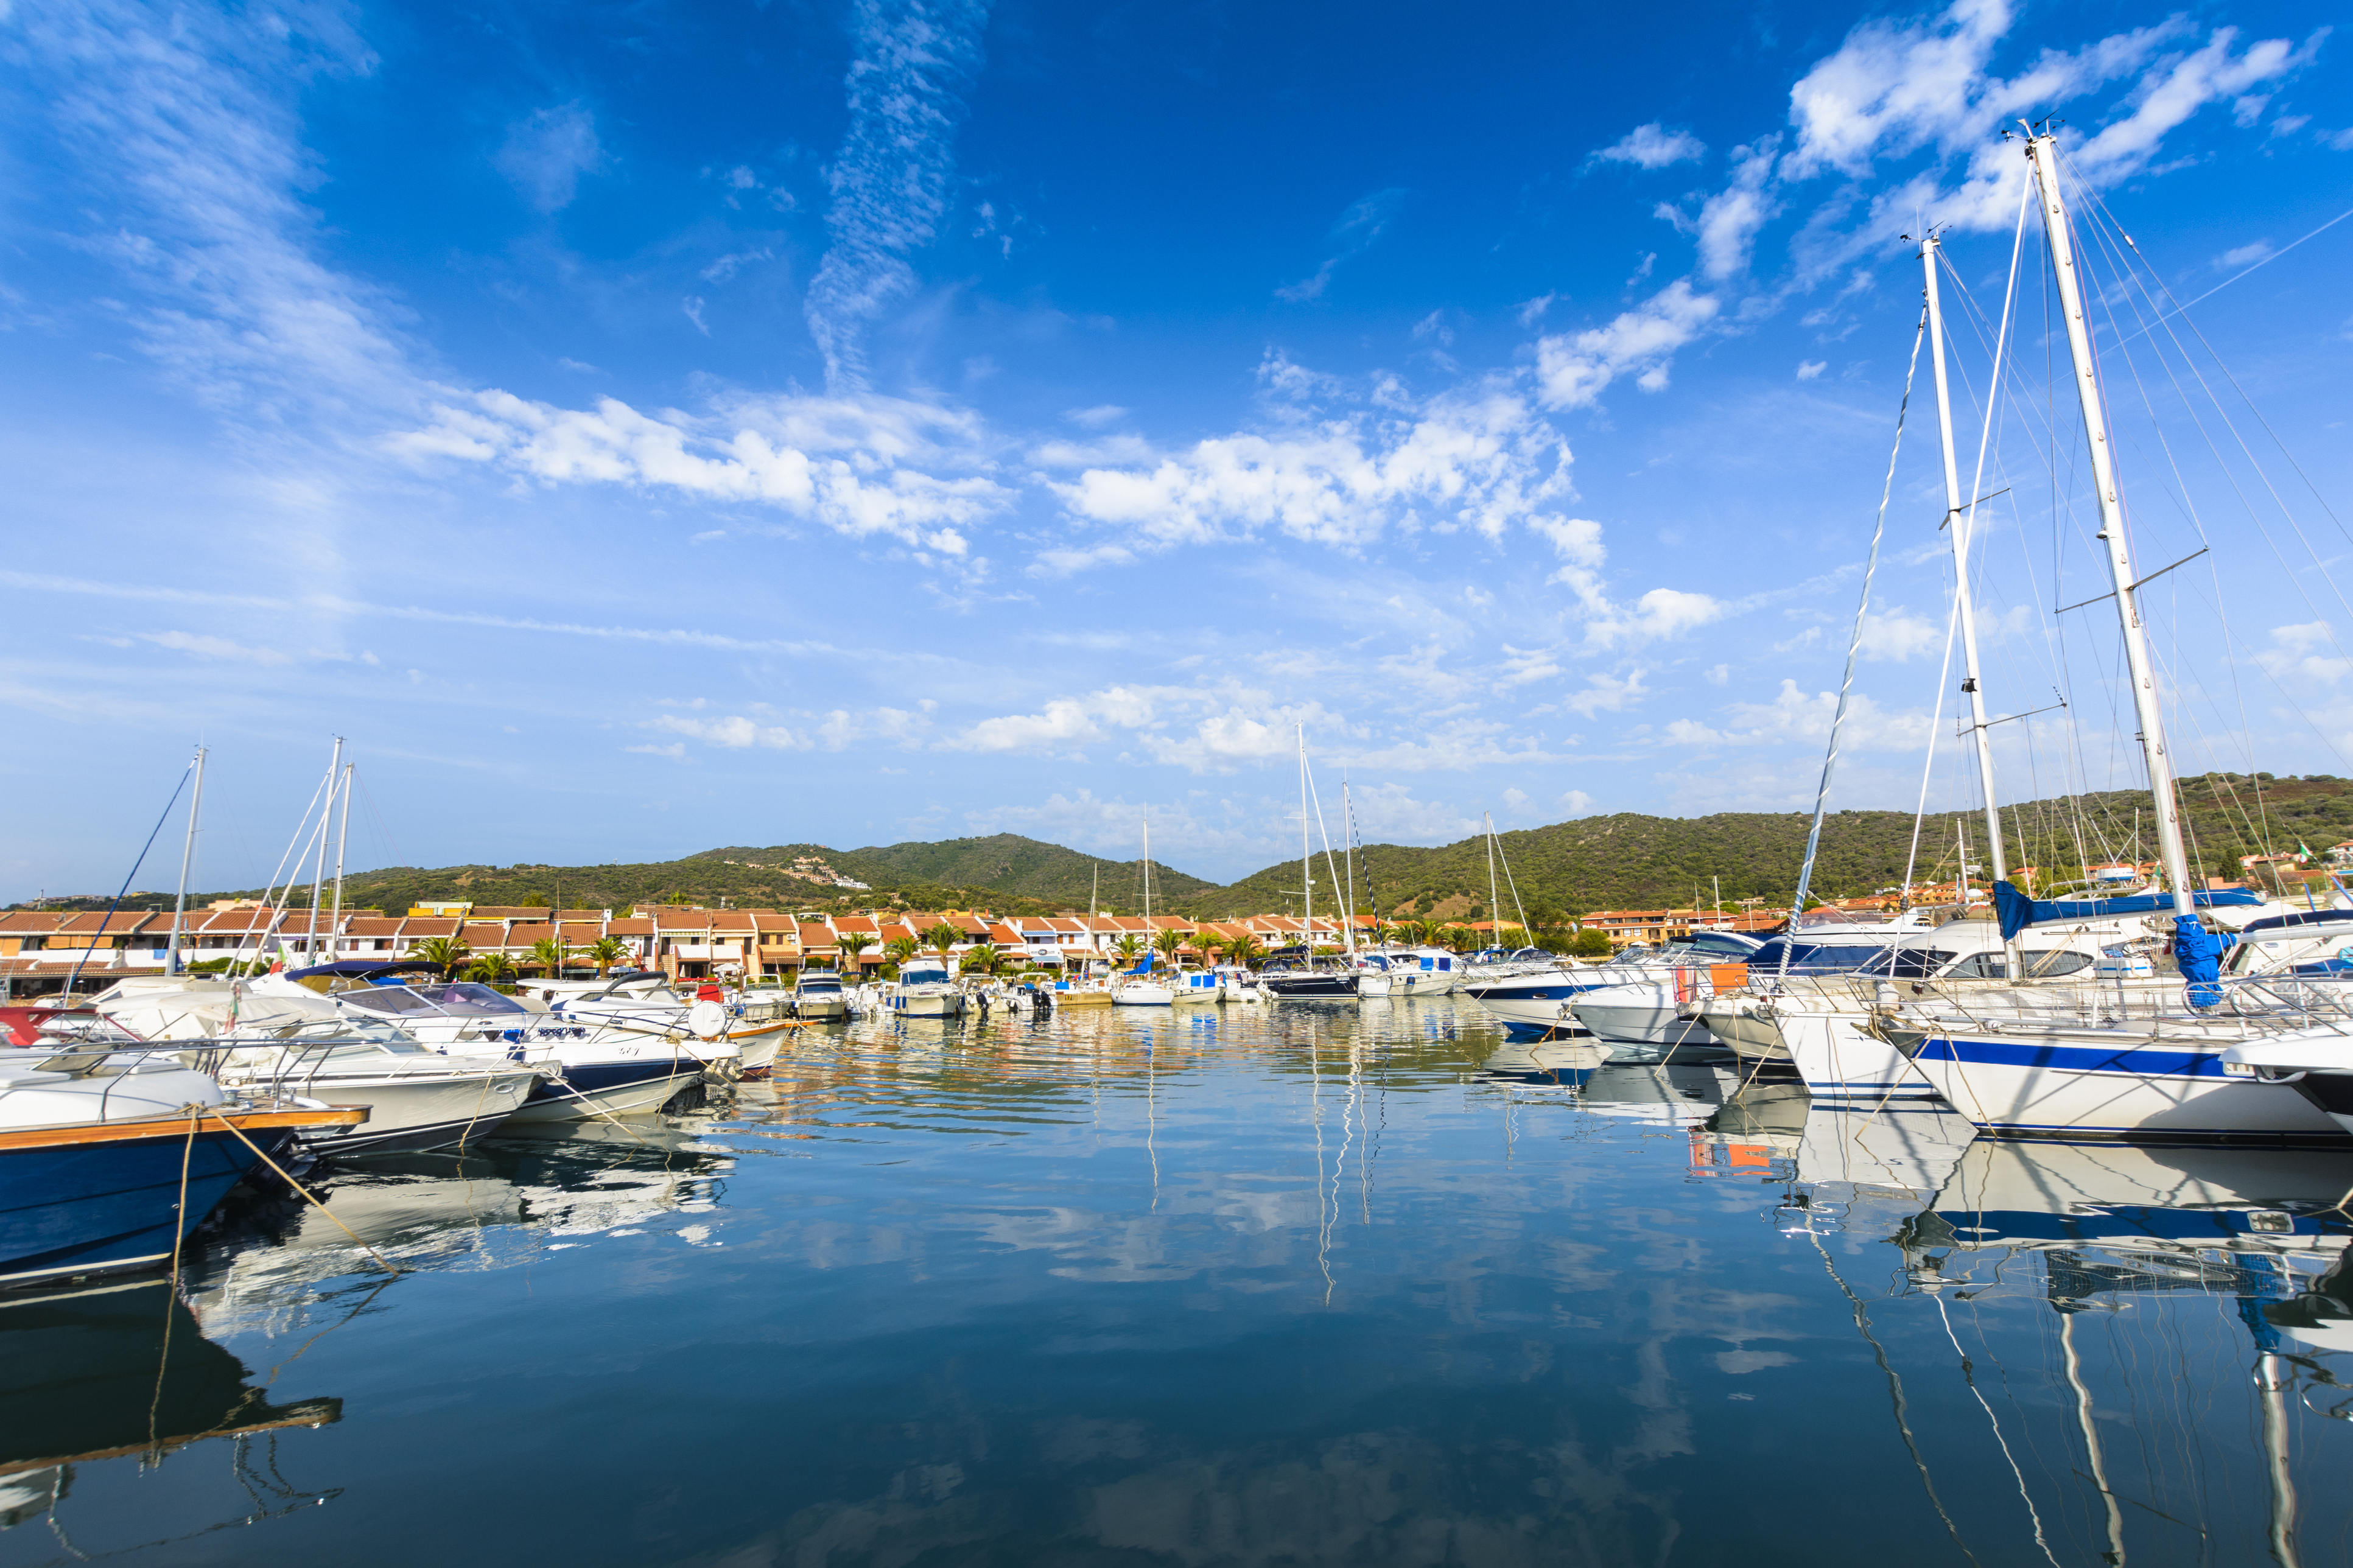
point(818, 997)
point(925, 989)
point(1196, 986)
point(1536, 999)
point(1146, 989)
point(1419, 970)
point(295, 1042)
point(586, 1068)
point(1650, 1006)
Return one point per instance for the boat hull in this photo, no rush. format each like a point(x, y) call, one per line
point(587, 1089)
point(102, 1196)
point(2079, 1086)
point(408, 1114)
point(1642, 1022)
point(1309, 987)
point(1834, 1053)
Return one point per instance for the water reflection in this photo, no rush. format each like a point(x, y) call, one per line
point(1284, 1285)
point(122, 1371)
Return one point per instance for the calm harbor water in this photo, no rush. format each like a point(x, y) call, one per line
point(1253, 1285)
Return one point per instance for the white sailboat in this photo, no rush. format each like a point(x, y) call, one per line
point(1147, 989)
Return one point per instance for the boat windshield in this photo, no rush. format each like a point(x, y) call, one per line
point(1850, 958)
point(460, 999)
point(926, 974)
point(827, 984)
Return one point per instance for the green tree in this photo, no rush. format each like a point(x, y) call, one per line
point(551, 955)
point(443, 952)
point(1244, 952)
point(852, 943)
point(605, 953)
point(899, 949)
point(1591, 944)
point(492, 969)
point(1169, 943)
point(941, 938)
point(1127, 948)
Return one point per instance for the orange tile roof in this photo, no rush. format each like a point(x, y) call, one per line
point(682, 919)
point(633, 926)
point(30, 923)
point(98, 923)
point(815, 938)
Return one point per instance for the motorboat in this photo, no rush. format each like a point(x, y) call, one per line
point(739, 1040)
point(1374, 979)
point(925, 989)
point(297, 1043)
point(1420, 971)
point(1535, 1000)
point(1646, 1003)
point(107, 1159)
point(593, 1068)
point(1296, 981)
point(818, 997)
point(1145, 988)
point(1196, 986)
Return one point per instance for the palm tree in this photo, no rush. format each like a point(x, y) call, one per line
point(443, 952)
point(550, 955)
point(1169, 943)
point(1127, 947)
point(605, 953)
point(982, 959)
point(852, 943)
point(493, 968)
point(1243, 951)
point(941, 938)
point(1430, 933)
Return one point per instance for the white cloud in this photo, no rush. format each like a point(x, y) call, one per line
point(2245, 256)
point(1729, 219)
point(1797, 716)
point(891, 178)
point(1809, 369)
point(1607, 694)
point(735, 733)
point(1661, 613)
point(1898, 634)
point(674, 750)
point(845, 462)
point(1653, 146)
point(1576, 802)
point(1478, 458)
point(547, 151)
point(204, 647)
point(1572, 370)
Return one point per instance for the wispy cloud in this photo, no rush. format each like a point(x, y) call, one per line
point(1653, 146)
point(1365, 222)
point(916, 61)
point(547, 151)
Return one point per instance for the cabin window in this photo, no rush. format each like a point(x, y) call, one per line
point(2057, 961)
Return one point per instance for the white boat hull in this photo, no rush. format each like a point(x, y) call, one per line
point(410, 1113)
point(2096, 1084)
point(1644, 1021)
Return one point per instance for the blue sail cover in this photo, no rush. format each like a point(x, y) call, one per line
point(2018, 912)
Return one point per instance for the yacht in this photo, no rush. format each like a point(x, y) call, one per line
point(299, 1044)
point(818, 997)
point(109, 1159)
point(586, 1069)
point(925, 989)
point(1645, 1007)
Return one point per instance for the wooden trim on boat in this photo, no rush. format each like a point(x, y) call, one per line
point(94, 1132)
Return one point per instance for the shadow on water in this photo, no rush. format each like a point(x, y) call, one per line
point(122, 1371)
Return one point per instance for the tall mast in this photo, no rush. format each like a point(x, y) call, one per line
point(1494, 909)
point(1307, 858)
point(187, 853)
point(319, 861)
point(1958, 519)
point(343, 836)
point(1348, 854)
point(2043, 152)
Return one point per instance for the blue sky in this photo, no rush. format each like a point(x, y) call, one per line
point(641, 427)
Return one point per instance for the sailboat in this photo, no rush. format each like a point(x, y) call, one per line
point(1142, 987)
point(2159, 1077)
point(1301, 980)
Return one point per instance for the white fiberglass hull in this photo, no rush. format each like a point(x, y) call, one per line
point(409, 1114)
point(926, 1004)
point(1644, 1013)
point(1831, 1052)
point(1143, 994)
point(819, 1009)
point(2075, 1084)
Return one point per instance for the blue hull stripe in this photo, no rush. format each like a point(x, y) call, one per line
point(2075, 1058)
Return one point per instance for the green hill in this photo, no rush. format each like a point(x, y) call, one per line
point(1627, 860)
point(1618, 861)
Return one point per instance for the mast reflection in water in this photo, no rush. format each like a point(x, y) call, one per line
point(1360, 1284)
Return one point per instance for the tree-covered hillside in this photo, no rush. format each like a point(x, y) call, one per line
point(1627, 860)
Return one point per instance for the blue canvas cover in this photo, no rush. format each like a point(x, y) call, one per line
point(2017, 911)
